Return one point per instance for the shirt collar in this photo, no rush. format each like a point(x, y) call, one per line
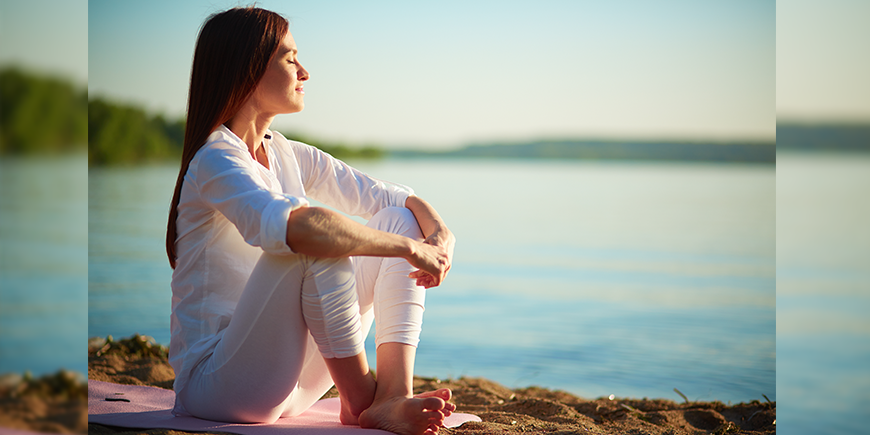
point(240, 143)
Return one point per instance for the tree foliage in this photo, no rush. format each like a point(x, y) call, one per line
point(123, 134)
point(40, 113)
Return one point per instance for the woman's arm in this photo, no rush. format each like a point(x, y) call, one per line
point(321, 232)
point(436, 233)
point(333, 182)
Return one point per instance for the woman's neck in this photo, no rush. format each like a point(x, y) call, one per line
point(251, 128)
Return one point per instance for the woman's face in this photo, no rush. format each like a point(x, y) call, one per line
point(280, 89)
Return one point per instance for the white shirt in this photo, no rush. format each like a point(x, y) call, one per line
point(232, 209)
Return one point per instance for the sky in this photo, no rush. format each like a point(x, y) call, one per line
point(444, 74)
point(441, 75)
point(823, 60)
point(48, 36)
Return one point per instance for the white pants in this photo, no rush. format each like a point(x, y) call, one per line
point(295, 311)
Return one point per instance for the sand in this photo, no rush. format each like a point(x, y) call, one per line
point(138, 361)
point(56, 403)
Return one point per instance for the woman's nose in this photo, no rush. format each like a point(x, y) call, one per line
point(302, 74)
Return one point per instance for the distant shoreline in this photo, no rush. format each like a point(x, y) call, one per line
point(612, 150)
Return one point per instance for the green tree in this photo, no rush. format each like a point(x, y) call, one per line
point(120, 134)
point(40, 113)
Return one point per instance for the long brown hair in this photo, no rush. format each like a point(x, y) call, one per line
point(232, 52)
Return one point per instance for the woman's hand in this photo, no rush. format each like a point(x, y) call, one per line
point(444, 238)
point(432, 263)
point(437, 235)
point(441, 238)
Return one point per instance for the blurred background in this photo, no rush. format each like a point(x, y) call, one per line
point(822, 211)
point(43, 183)
point(43, 214)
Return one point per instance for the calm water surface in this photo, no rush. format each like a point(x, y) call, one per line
point(43, 264)
point(823, 293)
point(595, 278)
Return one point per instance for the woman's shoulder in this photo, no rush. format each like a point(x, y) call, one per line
point(222, 150)
point(223, 138)
point(221, 142)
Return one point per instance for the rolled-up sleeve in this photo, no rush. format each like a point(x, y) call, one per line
point(228, 183)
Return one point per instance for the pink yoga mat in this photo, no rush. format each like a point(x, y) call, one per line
point(7, 431)
point(150, 407)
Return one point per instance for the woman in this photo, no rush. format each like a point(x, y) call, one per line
point(272, 299)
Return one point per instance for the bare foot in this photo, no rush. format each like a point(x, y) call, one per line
point(406, 415)
point(445, 394)
point(346, 416)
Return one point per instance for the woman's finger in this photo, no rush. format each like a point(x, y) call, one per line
point(419, 273)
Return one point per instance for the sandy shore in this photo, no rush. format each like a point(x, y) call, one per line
point(138, 361)
point(56, 403)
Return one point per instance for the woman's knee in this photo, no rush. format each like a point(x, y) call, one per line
point(396, 220)
point(330, 306)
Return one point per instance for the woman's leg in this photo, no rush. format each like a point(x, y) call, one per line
point(396, 303)
point(386, 294)
point(268, 365)
point(256, 371)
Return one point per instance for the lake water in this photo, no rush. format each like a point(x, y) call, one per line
point(596, 278)
point(823, 293)
point(43, 264)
